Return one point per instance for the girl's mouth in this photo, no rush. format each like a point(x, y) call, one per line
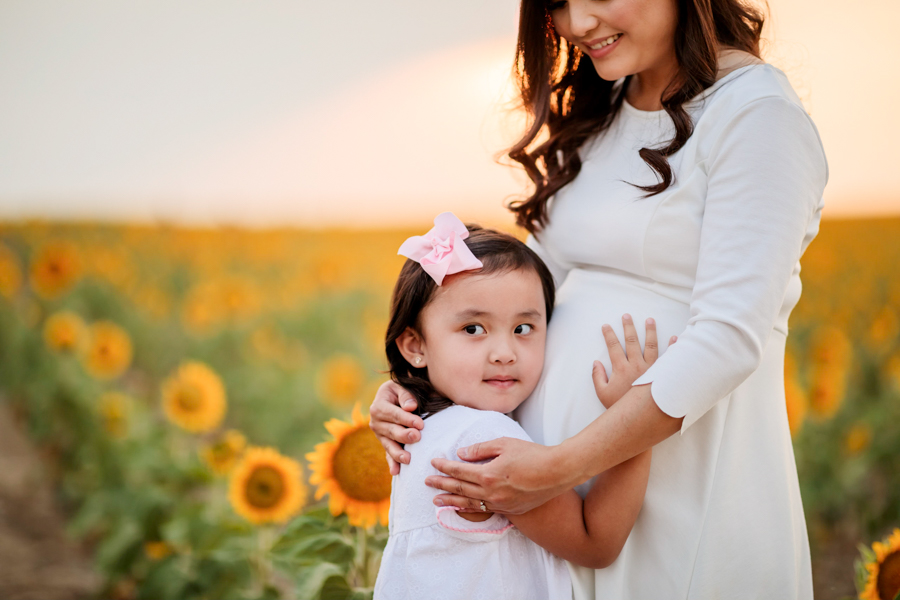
point(502, 384)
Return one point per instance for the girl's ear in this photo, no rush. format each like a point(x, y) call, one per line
point(412, 347)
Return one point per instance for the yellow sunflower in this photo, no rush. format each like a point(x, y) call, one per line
point(266, 487)
point(224, 453)
point(352, 470)
point(795, 397)
point(157, 550)
point(65, 331)
point(341, 379)
point(108, 350)
point(858, 439)
point(883, 581)
point(10, 274)
point(114, 408)
point(194, 397)
point(831, 356)
point(54, 269)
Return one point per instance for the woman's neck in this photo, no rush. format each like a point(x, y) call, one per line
point(646, 89)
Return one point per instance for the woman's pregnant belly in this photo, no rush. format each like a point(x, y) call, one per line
point(564, 401)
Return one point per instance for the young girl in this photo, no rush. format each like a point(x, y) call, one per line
point(466, 337)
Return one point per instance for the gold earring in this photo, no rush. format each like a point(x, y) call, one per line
point(418, 360)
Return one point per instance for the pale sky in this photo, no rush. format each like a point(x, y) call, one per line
point(356, 113)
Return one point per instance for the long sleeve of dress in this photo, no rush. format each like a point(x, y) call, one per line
point(766, 174)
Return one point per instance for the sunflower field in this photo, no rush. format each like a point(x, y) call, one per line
point(196, 395)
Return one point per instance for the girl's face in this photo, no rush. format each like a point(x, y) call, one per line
point(482, 339)
point(642, 32)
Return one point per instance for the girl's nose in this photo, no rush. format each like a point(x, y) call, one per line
point(502, 354)
point(582, 17)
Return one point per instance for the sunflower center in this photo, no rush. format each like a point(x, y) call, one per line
point(889, 576)
point(189, 398)
point(360, 469)
point(265, 487)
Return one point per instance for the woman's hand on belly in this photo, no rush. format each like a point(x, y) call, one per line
point(393, 424)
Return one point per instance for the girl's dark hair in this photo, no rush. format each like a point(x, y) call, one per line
point(500, 253)
point(564, 93)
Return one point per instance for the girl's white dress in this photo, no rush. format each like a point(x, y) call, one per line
point(715, 260)
point(434, 553)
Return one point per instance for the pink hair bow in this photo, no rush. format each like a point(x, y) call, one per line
point(442, 251)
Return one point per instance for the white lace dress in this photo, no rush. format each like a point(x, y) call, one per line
point(436, 554)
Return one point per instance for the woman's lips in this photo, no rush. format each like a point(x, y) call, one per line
point(600, 52)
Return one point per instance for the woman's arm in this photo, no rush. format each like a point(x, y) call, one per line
point(525, 475)
point(766, 174)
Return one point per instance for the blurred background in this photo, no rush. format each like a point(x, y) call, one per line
point(200, 205)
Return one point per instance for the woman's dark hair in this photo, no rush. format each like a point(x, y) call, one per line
point(499, 253)
point(564, 93)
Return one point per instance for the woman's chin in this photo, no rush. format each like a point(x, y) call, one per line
point(610, 71)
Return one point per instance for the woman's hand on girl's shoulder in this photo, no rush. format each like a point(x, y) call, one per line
point(519, 477)
point(393, 422)
point(627, 364)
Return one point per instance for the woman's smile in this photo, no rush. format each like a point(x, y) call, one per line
point(603, 46)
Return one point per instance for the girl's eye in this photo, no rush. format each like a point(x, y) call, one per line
point(551, 6)
point(474, 329)
point(524, 328)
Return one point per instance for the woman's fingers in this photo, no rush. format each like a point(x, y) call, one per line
point(457, 470)
point(616, 353)
point(384, 411)
point(395, 452)
point(651, 343)
point(482, 450)
point(464, 503)
point(393, 465)
point(395, 424)
point(397, 433)
point(632, 342)
point(391, 398)
point(455, 487)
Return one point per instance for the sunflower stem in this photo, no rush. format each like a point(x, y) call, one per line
point(264, 541)
point(362, 556)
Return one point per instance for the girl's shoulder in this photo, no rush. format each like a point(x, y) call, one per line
point(462, 426)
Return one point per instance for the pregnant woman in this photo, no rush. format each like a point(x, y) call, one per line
point(682, 180)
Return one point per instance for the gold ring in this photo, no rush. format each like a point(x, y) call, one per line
point(483, 507)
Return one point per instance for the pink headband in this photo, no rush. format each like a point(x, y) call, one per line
point(442, 251)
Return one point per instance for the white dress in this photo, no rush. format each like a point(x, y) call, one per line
point(434, 553)
point(715, 260)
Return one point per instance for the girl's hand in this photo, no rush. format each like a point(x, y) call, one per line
point(393, 424)
point(627, 365)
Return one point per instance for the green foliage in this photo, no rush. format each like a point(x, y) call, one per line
point(157, 519)
point(148, 486)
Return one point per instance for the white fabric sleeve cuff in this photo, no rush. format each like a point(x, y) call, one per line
point(473, 531)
